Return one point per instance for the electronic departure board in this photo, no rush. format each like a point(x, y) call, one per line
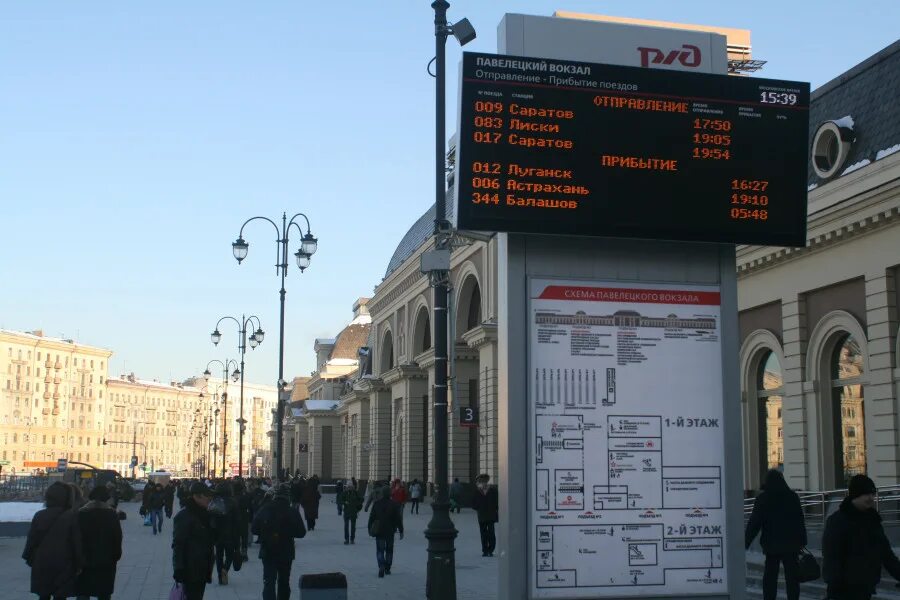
point(562, 147)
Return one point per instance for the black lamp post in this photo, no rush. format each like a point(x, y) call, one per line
point(440, 582)
point(235, 375)
point(308, 246)
point(256, 338)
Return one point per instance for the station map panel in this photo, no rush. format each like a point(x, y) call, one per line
point(625, 390)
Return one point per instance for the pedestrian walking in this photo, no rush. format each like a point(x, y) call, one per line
point(53, 548)
point(277, 524)
point(169, 498)
point(455, 495)
point(415, 496)
point(352, 503)
point(155, 504)
point(854, 546)
point(385, 519)
point(225, 523)
point(339, 495)
point(486, 504)
point(399, 493)
point(778, 515)
point(193, 542)
point(243, 499)
point(101, 535)
point(373, 492)
point(309, 499)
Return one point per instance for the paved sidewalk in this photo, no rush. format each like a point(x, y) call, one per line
point(145, 571)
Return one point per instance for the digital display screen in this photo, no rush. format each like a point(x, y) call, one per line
point(562, 147)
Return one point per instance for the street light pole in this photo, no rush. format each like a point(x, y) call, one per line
point(440, 582)
point(206, 375)
point(256, 338)
point(308, 247)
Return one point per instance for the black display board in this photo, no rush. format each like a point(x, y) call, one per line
point(562, 147)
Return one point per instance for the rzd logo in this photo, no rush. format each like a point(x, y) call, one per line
point(689, 56)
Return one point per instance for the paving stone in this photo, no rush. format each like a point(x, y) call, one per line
point(145, 571)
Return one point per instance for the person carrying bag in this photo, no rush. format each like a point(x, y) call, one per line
point(777, 513)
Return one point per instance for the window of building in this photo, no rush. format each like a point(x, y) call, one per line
point(770, 389)
point(848, 407)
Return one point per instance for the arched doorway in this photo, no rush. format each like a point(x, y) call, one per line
point(769, 394)
point(848, 408)
point(468, 385)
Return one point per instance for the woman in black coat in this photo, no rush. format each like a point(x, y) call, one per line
point(309, 500)
point(101, 535)
point(53, 548)
point(778, 514)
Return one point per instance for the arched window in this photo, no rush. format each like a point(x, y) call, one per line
point(769, 391)
point(422, 332)
point(847, 407)
point(387, 352)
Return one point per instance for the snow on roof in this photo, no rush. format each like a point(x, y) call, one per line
point(887, 152)
point(31, 336)
point(321, 404)
point(151, 383)
point(846, 121)
point(856, 166)
point(362, 320)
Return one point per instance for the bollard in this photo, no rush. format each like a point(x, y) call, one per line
point(323, 586)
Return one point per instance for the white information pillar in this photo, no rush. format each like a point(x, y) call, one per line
point(620, 439)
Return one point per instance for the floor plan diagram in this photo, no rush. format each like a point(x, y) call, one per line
point(627, 487)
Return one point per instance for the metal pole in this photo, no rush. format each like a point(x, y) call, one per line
point(224, 427)
point(241, 421)
point(440, 581)
point(279, 426)
point(133, 449)
point(215, 437)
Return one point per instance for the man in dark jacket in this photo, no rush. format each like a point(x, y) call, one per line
point(156, 504)
point(192, 543)
point(385, 519)
point(169, 498)
point(277, 524)
point(486, 504)
point(352, 503)
point(854, 547)
point(339, 495)
point(243, 500)
point(778, 514)
point(101, 536)
point(226, 527)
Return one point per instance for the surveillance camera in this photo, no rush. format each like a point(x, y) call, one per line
point(463, 32)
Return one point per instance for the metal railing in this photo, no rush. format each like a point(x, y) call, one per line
point(817, 506)
point(23, 487)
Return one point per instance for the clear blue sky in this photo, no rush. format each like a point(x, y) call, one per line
point(135, 138)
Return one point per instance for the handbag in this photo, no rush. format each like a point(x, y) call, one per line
point(374, 528)
point(177, 592)
point(808, 567)
point(148, 520)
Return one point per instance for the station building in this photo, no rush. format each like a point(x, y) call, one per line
point(819, 356)
point(818, 325)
